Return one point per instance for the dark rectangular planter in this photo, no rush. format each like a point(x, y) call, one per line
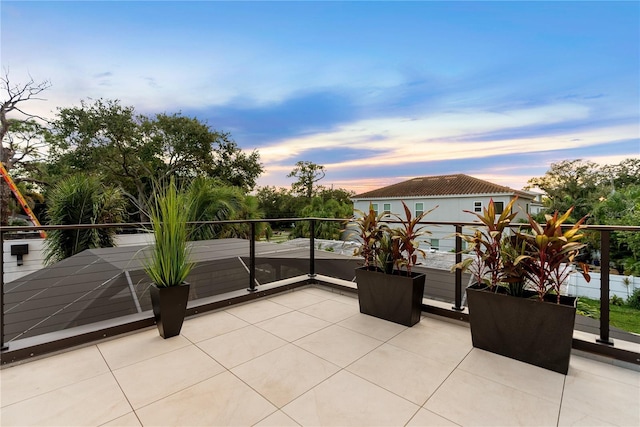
point(169, 308)
point(539, 333)
point(391, 297)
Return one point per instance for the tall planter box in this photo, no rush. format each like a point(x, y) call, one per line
point(169, 308)
point(391, 297)
point(539, 333)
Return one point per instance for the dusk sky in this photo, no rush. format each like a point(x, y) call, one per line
point(377, 92)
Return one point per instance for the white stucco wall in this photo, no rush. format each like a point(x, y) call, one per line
point(450, 208)
point(34, 260)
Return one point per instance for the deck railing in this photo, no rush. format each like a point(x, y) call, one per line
point(18, 349)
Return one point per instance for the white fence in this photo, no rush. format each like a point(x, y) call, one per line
point(621, 286)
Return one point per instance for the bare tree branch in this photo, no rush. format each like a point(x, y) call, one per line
point(15, 94)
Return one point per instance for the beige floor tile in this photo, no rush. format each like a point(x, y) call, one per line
point(86, 403)
point(210, 325)
point(277, 419)
point(292, 326)
point(602, 398)
point(522, 376)
point(137, 347)
point(351, 300)
point(471, 400)
point(129, 420)
point(406, 374)
point(284, 374)
point(222, 400)
point(338, 345)
point(36, 377)
point(330, 310)
point(348, 400)
point(372, 326)
point(297, 300)
point(241, 345)
point(570, 417)
point(426, 418)
point(437, 340)
point(258, 311)
point(606, 370)
point(156, 378)
point(318, 291)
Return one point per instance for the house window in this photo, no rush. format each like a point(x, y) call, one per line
point(419, 209)
point(499, 207)
point(387, 208)
point(477, 206)
point(435, 244)
point(374, 206)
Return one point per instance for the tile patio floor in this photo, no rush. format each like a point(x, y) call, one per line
point(308, 357)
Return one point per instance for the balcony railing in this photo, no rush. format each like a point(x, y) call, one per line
point(41, 311)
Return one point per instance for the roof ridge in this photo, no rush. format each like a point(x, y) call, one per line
point(439, 185)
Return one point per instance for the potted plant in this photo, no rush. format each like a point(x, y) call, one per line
point(387, 286)
point(516, 307)
point(169, 264)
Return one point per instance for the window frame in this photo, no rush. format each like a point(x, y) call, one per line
point(436, 246)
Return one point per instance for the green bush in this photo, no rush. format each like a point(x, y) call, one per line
point(634, 299)
point(616, 300)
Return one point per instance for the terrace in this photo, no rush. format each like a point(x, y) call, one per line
point(295, 350)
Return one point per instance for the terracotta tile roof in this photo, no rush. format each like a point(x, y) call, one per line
point(442, 185)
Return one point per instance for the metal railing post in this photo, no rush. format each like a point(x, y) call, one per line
point(252, 258)
point(312, 249)
point(458, 296)
point(605, 242)
point(2, 345)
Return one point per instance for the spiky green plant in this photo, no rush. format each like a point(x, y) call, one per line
point(212, 200)
point(82, 200)
point(169, 212)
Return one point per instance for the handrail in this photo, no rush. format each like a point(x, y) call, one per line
point(604, 230)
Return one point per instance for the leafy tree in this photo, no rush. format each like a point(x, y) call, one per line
point(570, 183)
point(340, 195)
point(82, 200)
point(627, 172)
point(319, 208)
point(135, 151)
point(232, 165)
point(278, 203)
point(307, 173)
point(622, 208)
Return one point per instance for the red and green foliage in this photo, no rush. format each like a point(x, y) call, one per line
point(550, 253)
point(390, 248)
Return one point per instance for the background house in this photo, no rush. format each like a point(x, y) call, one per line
point(453, 194)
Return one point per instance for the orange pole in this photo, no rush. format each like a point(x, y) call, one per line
point(21, 200)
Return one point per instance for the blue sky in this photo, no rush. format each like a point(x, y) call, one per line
point(377, 92)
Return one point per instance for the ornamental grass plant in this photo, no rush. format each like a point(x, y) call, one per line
point(169, 213)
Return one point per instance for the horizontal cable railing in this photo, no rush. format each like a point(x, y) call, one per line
point(100, 285)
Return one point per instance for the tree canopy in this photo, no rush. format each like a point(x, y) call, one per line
point(307, 173)
point(608, 194)
point(135, 150)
